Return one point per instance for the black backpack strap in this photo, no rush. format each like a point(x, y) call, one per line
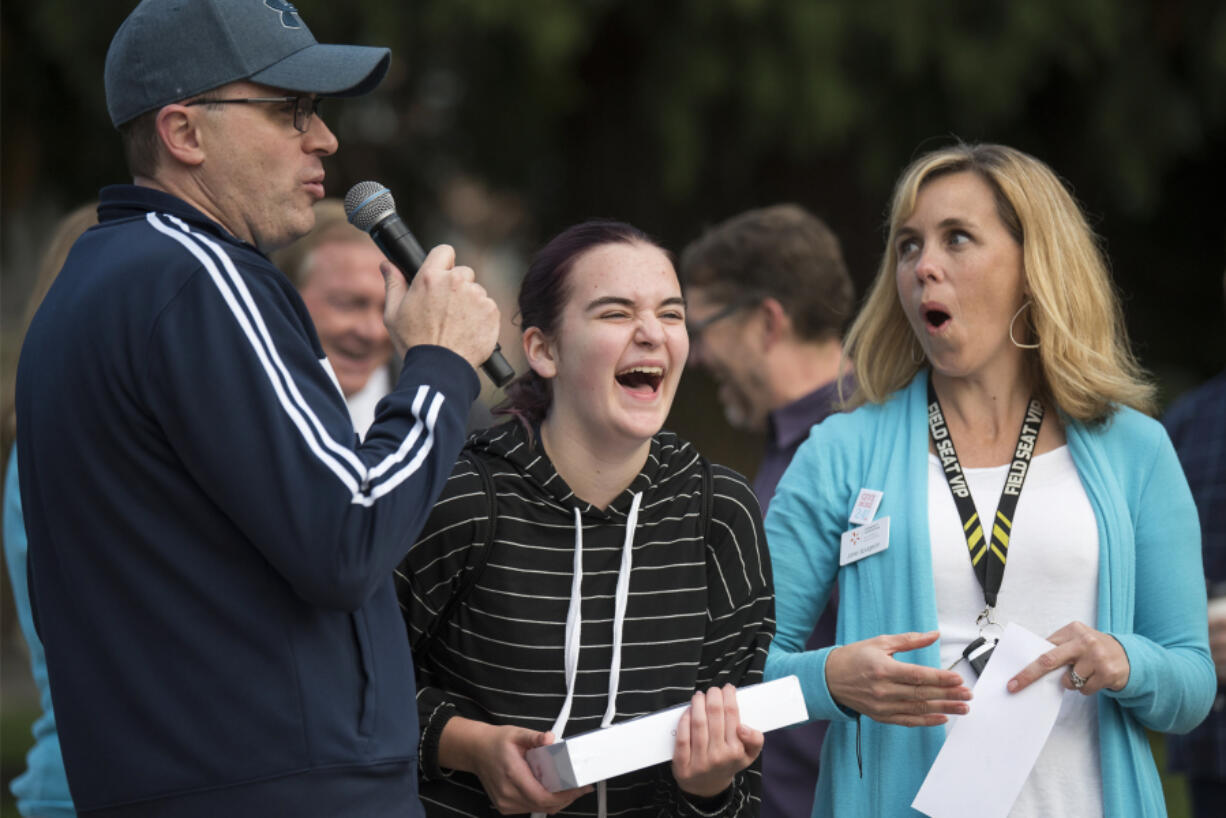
point(475, 560)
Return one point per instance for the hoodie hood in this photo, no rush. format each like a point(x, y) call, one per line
point(670, 457)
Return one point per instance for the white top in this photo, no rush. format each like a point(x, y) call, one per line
point(363, 402)
point(1050, 580)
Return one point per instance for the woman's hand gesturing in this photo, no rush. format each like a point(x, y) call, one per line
point(1092, 657)
point(865, 677)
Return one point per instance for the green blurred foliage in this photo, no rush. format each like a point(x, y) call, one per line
point(675, 115)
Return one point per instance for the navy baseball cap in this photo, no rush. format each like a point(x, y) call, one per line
point(169, 50)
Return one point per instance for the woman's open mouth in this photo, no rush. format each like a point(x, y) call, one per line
point(935, 318)
point(641, 378)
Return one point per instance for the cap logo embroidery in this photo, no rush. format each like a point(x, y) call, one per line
point(289, 14)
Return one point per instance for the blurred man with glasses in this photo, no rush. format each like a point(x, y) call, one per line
point(211, 550)
point(767, 299)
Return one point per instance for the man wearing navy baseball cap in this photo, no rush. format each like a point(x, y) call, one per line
point(211, 547)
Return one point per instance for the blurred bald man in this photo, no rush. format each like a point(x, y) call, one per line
point(336, 270)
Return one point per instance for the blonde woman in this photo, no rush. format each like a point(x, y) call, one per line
point(992, 336)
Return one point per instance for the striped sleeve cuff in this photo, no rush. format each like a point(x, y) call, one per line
point(431, 733)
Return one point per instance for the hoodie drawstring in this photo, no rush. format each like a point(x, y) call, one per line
point(574, 621)
point(574, 630)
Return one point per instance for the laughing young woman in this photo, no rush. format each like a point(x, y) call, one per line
point(993, 312)
point(622, 574)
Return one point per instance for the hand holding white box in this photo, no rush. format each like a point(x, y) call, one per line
point(647, 740)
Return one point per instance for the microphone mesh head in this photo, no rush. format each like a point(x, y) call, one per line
point(367, 203)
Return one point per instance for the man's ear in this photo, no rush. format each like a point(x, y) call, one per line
point(776, 323)
point(178, 129)
point(540, 353)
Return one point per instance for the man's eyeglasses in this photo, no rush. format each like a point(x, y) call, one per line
point(695, 328)
point(304, 107)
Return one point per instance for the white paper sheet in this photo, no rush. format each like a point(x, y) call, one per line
point(990, 751)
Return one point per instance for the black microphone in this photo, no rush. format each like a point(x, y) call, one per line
point(370, 207)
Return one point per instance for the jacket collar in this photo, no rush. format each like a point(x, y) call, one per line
point(116, 202)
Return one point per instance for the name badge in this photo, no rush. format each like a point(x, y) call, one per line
point(866, 507)
point(865, 541)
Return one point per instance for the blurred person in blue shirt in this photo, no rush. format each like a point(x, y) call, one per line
point(1197, 426)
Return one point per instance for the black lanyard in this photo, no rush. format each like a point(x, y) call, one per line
point(988, 555)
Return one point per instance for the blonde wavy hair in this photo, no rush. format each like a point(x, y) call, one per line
point(1084, 365)
point(67, 230)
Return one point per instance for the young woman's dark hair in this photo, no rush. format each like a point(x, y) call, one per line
point(542, 296)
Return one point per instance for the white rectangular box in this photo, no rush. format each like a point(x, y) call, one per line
point(632, 745)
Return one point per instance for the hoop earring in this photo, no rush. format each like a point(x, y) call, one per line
point(1012, 320)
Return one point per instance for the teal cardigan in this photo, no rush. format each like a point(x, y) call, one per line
point(1151, 594)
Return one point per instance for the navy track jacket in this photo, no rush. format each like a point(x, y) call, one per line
point(211, 549)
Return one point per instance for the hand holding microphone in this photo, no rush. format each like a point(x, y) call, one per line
point(442, 304)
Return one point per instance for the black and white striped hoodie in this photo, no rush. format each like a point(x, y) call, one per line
point(699, 609)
